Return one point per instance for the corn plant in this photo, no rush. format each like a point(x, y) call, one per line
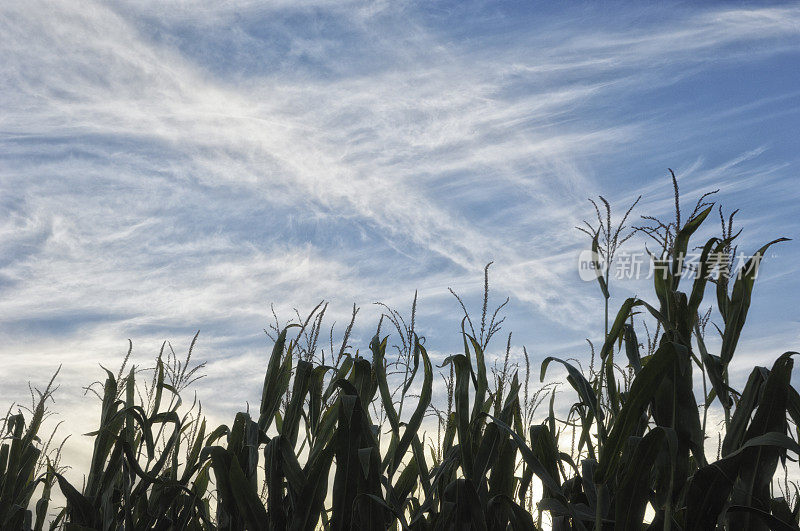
point(22, 455)
point(340, 441)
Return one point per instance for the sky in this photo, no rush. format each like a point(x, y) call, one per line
point(169, 169)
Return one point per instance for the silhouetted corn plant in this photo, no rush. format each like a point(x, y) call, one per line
point(22, 456)
point(343, 445)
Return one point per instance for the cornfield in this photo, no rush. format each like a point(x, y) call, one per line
point(344, 441)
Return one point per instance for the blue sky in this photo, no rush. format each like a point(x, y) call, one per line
point(169, 169)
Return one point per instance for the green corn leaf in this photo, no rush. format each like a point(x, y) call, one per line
point(218, 433)
point(348, 468)
point(326, 430)
point(276, 380)
point(633, 491)
point(501, 477)
point(44, 500)
point(274, 479)
point(735, 433)
point(247, 500)
point(586, 477)
point(381, 503)
point(739, 303)
point(766, 520)
point(468, 511)
point(502, 508)
point(290, 466)
point(193, 458)
point(596, 263)
point(530, 458)
point(621, 319)
point(79, 508)
point(407, 481)
point(415, 421)
point(545, 448)
point(711, 485)
point(578, 382)
point(378, 349)
point(642, 391)
point(482, 384)
point(310, 504)
point(414, 370)
point(781, 510)
point(759, 463)
point(424, 473)
point(341, 374)
point(709, 259)
point(315, 396)
point(715, 370)
point(291, 420)
point(681, 243)
point(364, 380)
point(227, 507)
point(632, 348)
point(675, 406)
point(461, 401)
point(493, 437)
